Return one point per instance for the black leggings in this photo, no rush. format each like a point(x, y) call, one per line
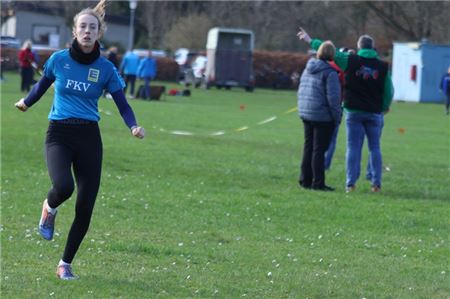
point(76, 145)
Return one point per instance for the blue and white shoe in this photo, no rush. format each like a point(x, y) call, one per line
point(64, 272)
point(47, 223)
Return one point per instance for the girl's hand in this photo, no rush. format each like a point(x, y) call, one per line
point(138, 132)
point(21, 105)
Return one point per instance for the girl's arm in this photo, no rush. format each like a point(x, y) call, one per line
point(35, 94)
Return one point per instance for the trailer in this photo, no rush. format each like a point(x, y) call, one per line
point(229, 58)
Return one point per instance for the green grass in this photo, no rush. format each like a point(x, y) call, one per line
point(203, 216)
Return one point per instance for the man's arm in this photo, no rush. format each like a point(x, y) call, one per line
point(388, 93)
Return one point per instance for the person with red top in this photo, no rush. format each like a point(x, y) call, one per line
point(332, 147)
point(26, 59)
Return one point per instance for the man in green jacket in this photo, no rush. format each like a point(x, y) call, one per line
point(368, 93)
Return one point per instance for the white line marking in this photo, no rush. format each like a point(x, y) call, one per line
point(267, 120)
point(186, 133)
point(218, 133)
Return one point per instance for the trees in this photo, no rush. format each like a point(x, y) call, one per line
point(414, 20)
point(276, 22)
point(172, 24)
point(189, 32)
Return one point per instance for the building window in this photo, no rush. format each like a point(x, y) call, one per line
point(41, 34)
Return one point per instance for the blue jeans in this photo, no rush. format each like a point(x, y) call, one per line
point(331, 148)
point(360, 124)
point(369, 166)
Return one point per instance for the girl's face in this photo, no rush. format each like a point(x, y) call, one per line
point(86, 31)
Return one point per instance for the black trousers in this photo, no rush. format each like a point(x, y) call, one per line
point(26, 74)
point(78, 147)
point(131, 79)
point(317, 139)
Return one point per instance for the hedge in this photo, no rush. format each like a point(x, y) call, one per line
point(278, 69)
point(271, 69)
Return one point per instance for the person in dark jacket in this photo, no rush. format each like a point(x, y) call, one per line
point(319, 108)
point(445, 88)
point(368, 93)
point(112, 56)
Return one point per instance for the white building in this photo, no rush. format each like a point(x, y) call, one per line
point(417, 69)
point(45, 25)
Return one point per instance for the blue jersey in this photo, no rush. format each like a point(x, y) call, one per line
point(79, 86)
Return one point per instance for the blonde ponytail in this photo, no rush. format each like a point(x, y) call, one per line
point(100, 9)
point(99, 12)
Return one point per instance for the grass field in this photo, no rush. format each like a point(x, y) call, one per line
point(222, 216)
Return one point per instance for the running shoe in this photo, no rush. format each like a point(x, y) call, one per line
point(64, 272)
point(47, 223)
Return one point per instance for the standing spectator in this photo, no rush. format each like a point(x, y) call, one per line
point(368, 94)
point(332, 147)
point(73, 146)
point(129, 67)
point(319, 108)
point(26, 59)
point(2, 61)
point(147, 71)
point(445, 88)
point(112, 56)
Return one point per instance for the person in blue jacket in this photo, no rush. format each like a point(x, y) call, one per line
point(73, 140)
point(445, 88)
point(368, 93)
point(147, 72)
point(129, 67)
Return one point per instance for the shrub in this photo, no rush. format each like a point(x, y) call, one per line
point(278, 69)
point(167, 69)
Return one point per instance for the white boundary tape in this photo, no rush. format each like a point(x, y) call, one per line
point(267, 120)
point(223, 132)
point(217, 133)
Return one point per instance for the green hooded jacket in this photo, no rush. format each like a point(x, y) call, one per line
point(341, 59)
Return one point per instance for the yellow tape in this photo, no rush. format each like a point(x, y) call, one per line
point(291, 110)
point(241, 129)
